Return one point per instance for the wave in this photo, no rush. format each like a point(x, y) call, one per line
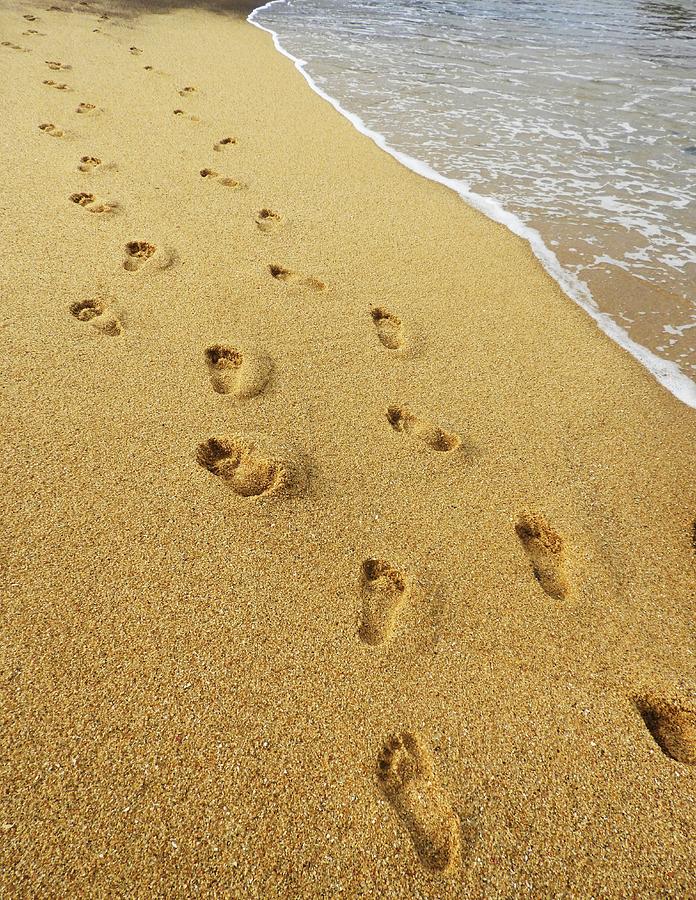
point(667, 373)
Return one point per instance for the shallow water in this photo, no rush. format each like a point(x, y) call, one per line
point(577, 116)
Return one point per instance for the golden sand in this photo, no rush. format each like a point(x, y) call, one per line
point(342, 554)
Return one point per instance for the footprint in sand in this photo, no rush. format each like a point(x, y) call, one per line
point(243, 375)
point(406, 775)
point(88, 109)
point(92, 204)
point(404, 422)
point(672, 723)
point(30, 18)
point(14, 46)
point(144, 255)
point(136, 51)
point(246, 466)
point(57, 66)
point(287, 276)
point(97, 313)
point(52, 130)
point(389, 328)
point(224, 144)
point(89, 163)
point(384, 590)
point(57, 85)
point(33, 32)
point(187, 91)
point(545, 551)
point(267, 220)
point(182, 114)
point(212, 175)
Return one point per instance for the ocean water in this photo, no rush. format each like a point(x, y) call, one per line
point(572, 121)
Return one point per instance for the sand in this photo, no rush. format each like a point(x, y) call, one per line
point(285, 446)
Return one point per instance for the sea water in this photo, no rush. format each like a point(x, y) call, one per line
point(573, 122)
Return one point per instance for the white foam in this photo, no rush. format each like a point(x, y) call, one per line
point(665, 371)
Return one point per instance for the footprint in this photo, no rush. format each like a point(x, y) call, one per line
point(267, 220)
point(88, 109)
point(57, 66)
point(226, 182)
point(33, 31)
point(135, 50)
point(141, 254)
point(98, 315)
point(52, 130)
point(14, 46)
point(224, 143)
point(289, 277)
point(389, 328)
point(243, 465)
point(91, 204)
point(30, 18)
point(58, 85)
point(87, 163)
point(186, 91)
point(406, 775)
point(672, 723)
point(237, 373)
point(384, 590)
point(545, 550)
point(185, 115)
point(436, 438)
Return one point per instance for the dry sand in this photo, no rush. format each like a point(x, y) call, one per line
point(270, 621)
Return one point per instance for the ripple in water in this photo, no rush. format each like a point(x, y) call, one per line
point(578, 116)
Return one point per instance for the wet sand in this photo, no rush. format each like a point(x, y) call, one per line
point(342, 553)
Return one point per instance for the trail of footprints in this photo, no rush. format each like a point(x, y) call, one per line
point(251, 468)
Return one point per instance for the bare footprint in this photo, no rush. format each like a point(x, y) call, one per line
point(184, 115)
point(89, 163)
point(287, 276)
point(136, 51)
point(187, 91)
point(389, 328)
point(384, 589)
point(267, 220)
point(52, 130)
point(244, 465)
point(243, 375)
point(144, 255)
point(14, 46)
point(91, 204)
point(672, 723)
point(88, 109)
point(57, 66)
point(30, 18)
point(436, 438)
point(406, 775)
point(212, 175)
point(545, 551)
point(97, 313)
point(57, 85)
point(224, 144)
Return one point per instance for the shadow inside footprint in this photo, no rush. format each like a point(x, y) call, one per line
point(232, 372)
point(243, 466)
point(98, 315)
point(673, 726)
point(406, 775)
point(389, 328)
point(403, 421)
point(384, 590)
point(544, 548)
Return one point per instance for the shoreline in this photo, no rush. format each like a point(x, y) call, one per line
point(666, 372)
point(342, 554)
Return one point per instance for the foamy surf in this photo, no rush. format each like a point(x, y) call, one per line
point(667, 372)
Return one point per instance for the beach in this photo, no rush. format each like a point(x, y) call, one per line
point(343, 554)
